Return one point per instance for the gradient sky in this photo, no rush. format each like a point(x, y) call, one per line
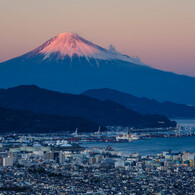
point(160, 32)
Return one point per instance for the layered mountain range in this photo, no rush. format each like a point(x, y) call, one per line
point(69, 63)
point(143, 105)
point(105, 113)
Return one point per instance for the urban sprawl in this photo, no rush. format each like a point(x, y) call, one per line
point(32, 164)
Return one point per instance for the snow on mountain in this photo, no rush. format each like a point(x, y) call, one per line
point(69, 63)
point(70, 44)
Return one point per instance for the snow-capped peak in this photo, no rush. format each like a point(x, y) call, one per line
point(70, 44)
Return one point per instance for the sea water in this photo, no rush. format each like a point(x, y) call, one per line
point(154, 145)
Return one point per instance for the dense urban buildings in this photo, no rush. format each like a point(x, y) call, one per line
point(53, 165)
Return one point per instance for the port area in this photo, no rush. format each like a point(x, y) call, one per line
point(122, 134)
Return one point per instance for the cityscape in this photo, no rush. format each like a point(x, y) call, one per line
point(97, 97)
point(49, 164)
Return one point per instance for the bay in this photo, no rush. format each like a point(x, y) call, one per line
point(154, 145)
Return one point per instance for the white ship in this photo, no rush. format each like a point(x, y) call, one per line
point(127, 137)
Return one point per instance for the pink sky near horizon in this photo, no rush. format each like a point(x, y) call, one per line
point(161, 33)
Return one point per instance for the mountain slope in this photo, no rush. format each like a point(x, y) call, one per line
point(142, 105)
point(69, 63)
point(25, 121)
point(70, 44)
point(107, 112)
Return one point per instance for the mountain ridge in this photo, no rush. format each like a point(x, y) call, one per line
point(143, 105)
point(105, 113)
point(28, 122)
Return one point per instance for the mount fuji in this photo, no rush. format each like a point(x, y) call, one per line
point(69, 63)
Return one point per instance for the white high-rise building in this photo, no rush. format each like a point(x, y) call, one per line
point(7, 161)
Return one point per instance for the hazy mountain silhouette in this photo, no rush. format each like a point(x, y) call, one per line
point(26, 122)
point(141, 104)
point(107, 112)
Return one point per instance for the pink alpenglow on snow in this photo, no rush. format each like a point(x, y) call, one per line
point(70, 44)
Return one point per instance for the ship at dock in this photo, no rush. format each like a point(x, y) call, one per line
point(127, 137)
